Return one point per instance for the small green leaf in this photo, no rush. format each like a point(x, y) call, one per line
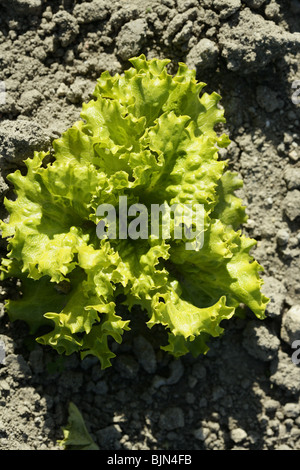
point(76, 435)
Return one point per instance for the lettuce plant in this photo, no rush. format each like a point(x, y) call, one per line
point(149, 136)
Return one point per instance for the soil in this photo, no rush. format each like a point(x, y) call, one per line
point(244, 394)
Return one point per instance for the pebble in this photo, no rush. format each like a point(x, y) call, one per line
point(267, 98)
point(291, 204)
point(145, 354)
point(283, 447)
point(227, 8)
point(18, 140)
point(171, 418)
point(101, 388)
point(18, 367)
point(285, 374)
point(203, 55)
point(282, 237)
point(199, 371)
point(272, 11)
point(90, 12)
point(29, 100)
point(260, 341)
point(127, 366)
point(131, 39)
point(201, 433)
point(4, 385)
point(109, 434)
point(238, 435)
point(271, 405)
point(292, 177)
point(290, 326)
point(67, 26)
point(291, 410)
point(294, 155)
point(176, 372)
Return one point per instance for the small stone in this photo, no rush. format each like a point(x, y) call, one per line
point(291, 204)
point(4, 385)
point(291, 410)
point(294, 155)
point(199, 371)
point(260, 341)
point(227, 8)
point(17, 367)
point(218, 392)
point(292, 177)
point(190, 398)
point(238, 435)
point(271, 405)
point(276, 292)
point(101, 387)
point(268, 202)
point(272, 11)
point(171, 418)
point(203, 55)
point(201, 433)
point(90, 12)
point(183, 5)
point(145, 354)
point(29, 100)
point(282, 237)
point(176, 372)
point(267, 98)
point(290, 327)
point(127, 366)
point(76, 92)
point(131, 38)
point(62, 90)
point(285, 374)
point(109, 435)
point(67, 27)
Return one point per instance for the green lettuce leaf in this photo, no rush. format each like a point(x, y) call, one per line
point(147, 137)
point(76, 435)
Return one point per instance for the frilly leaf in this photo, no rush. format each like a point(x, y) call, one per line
point(76, 435)
point(150, 137)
